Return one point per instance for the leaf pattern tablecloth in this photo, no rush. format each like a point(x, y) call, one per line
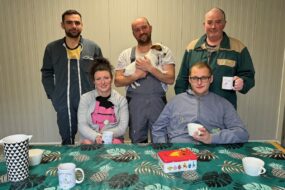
point(135, 166)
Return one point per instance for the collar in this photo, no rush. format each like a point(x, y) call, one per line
point(201, 44)
point(191, 93)
point(104, 101)
point(111, 99)
point(79, 44)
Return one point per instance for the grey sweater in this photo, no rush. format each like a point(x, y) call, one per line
point(88, 130)
point(212, 111)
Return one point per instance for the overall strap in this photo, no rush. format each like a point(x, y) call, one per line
point(133, 54)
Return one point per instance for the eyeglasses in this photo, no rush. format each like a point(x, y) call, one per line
point(69, 22)
point(203, 79)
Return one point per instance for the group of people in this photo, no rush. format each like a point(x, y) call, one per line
point(78, 80)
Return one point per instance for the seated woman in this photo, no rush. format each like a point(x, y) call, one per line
point(102, 109)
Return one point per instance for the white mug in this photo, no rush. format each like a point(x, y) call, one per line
point(66, 175)
point(253, 166)
point(194, 127)
point(228, 83)
point(107, 137)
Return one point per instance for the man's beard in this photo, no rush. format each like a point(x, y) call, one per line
point(145, 41)
point(73, 35)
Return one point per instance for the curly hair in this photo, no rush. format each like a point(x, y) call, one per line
point(101, 64)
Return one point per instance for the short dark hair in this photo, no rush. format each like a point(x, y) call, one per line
point(101, 64)
point(70, 12)
point(201, 65)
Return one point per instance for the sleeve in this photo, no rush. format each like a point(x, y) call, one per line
point(234, 131)
point(159, 128)
point(168, 58)
point(124, 60)
point(245, 70)
point(48, 73)
point(98, 52)
point(123, 114)
point(84, 129)
point(182, 83)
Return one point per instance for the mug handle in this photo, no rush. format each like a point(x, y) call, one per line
point(262, 171)
point(83, 176)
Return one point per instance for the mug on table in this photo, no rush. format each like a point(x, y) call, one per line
point(253, 166)
point(67, 175)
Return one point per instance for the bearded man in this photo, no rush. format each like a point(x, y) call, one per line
point(65, 73)
point(147, 100)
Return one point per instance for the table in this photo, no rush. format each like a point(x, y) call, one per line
point(135, 166)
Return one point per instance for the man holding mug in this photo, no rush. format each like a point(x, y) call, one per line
point(220, 123)
point(227, 56)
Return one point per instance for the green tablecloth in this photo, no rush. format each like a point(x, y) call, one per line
point(135, 166)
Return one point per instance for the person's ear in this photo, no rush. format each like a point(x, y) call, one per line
point(211, 79)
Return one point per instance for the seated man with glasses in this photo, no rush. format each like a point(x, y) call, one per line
point(220, 121)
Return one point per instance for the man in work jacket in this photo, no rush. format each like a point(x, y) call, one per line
point(227, 57)
point(65, 73)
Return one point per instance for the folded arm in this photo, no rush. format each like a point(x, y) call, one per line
point(122, 80)
point(167, 76)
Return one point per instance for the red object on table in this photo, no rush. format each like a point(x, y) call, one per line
point(177, 155)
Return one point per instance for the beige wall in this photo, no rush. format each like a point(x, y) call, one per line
point(28, 25)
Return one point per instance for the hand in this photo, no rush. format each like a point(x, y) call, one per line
point(140, 74)
point(86, 141)
point(238, 83)
point(99, 139)
point(204, 136)
point(143, 64)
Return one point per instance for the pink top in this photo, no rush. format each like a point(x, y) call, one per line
point(102, 114)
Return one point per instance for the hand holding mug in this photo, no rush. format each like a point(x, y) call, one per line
point(238, 83)
point(99, 139)
point(204, 136)
point(107, 137)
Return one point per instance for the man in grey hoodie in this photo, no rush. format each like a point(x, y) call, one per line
point(218, 117)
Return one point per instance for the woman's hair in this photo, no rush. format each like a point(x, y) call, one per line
point(101, 64)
